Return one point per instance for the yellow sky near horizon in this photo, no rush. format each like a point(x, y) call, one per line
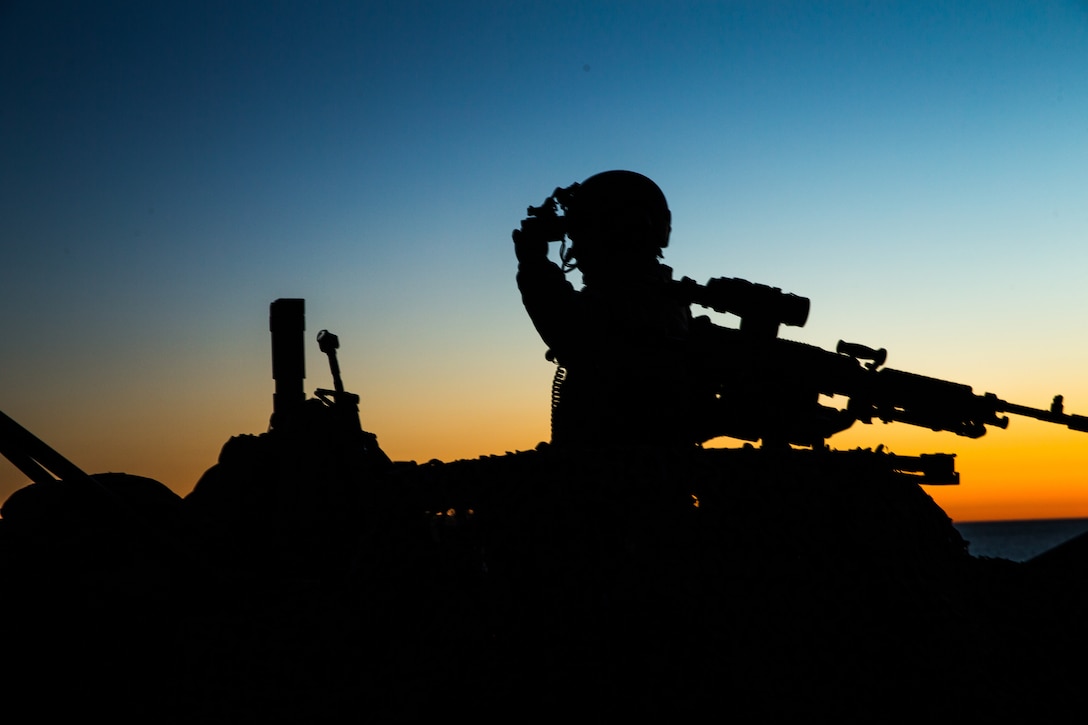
point(1031, 470)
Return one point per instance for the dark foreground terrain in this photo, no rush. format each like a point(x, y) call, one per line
point(709, 583)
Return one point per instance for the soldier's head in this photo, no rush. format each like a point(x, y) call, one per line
point(617, 220)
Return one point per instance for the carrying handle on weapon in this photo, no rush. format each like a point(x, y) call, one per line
point(859, 352)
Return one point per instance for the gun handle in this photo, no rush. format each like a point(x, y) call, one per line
point(862, 352)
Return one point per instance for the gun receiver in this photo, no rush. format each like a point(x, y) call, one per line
point(753, 385)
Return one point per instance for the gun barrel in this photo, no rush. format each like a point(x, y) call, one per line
point(1053, 415)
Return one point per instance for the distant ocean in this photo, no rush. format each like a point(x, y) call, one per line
point(1019, 540)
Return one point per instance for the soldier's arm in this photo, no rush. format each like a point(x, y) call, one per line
point(547, 295)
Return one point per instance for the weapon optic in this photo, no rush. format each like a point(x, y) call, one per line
point(753, 385)
point(761, 309)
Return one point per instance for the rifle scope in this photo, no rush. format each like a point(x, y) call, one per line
point(750, 301)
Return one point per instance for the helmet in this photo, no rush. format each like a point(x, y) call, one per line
point(618, 208)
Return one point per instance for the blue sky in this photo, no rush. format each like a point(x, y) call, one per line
point(168, 169)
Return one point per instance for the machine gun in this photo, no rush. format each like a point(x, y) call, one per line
point(754, 386)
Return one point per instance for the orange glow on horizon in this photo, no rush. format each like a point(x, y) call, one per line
point(1031, 470)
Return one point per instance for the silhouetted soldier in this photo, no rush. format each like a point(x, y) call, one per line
point(620, 341)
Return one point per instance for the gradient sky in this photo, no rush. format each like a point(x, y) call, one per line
point(916, 169)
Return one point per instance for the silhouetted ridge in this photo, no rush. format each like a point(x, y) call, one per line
point(800, 581)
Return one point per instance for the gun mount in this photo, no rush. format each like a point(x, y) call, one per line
point(335, 411)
